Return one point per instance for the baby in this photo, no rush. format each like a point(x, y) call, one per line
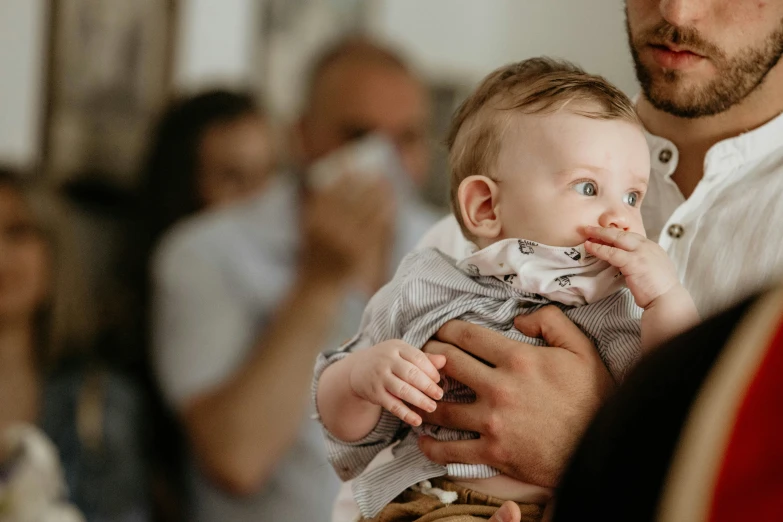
point(549, 169)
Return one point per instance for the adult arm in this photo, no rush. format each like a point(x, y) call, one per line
point(532, 403)
point(239, 429)
point(241, 426)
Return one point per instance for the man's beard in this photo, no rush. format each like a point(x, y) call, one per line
point(737, 77)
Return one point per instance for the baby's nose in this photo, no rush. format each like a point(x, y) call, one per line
point(613, 219)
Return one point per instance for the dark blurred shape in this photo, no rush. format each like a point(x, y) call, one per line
point(694, 433)
point(97, 194)
point(169, 180)
point(212, 139)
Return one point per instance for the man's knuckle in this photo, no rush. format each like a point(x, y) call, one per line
point(517, 362)
point(492, 425)
point(503, 397)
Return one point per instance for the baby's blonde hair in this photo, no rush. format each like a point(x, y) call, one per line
point(533, 86)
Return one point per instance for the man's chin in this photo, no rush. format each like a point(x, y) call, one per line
point(676, 94)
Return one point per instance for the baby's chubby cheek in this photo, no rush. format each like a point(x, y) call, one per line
point(638, 228)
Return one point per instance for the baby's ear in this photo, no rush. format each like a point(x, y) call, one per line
point(478, 197)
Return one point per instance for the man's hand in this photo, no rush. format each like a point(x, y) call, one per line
point(532, 403)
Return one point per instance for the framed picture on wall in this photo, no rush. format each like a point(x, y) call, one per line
point(108, 76)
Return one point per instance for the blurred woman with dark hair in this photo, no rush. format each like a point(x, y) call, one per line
point(208, 150)
point(49, 374)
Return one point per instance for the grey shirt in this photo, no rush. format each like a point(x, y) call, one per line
point(219, 278)
point(427, 291)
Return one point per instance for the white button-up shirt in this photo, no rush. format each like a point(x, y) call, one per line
point(726, 239)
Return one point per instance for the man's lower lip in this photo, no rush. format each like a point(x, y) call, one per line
point(669, 59)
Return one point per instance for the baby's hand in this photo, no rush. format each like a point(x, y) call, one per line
point(394, 371)
point(648, 271)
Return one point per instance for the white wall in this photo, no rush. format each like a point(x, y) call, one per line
point(217, 39)
point(590, 33)
point(469, 38)
point(215, 43)
point(22, 65)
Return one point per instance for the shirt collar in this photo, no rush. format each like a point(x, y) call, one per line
point(723, 157)
point(744, 148)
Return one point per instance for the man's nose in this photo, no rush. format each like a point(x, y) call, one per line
point(613, 219)
point(681, 13)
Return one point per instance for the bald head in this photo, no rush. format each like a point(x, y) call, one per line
point(358, 87)
point(354, 49)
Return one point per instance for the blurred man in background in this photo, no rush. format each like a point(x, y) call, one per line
point(245, 298)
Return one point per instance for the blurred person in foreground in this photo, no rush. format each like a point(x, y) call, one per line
point(50, 375)
point(711, 103)
point(246, 298)
point(705, 408)
point(209, 150)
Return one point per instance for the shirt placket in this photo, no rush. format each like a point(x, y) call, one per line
point(680, 231)
point(663, 161)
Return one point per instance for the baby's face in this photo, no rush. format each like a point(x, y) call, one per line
point(558, 173)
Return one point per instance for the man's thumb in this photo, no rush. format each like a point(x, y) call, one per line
point(508, 512)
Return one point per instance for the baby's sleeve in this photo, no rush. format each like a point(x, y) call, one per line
point(382, 320)
point(620, 337)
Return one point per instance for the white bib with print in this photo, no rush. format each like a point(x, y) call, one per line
point(568, 275)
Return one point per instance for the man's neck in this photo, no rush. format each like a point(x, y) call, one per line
point(694, 137)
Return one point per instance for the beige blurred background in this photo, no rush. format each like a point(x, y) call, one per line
point(82, 79)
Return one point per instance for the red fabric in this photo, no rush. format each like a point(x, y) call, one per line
point(750, 482)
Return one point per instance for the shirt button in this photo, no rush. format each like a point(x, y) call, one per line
point(675, 231)
point(665, 155)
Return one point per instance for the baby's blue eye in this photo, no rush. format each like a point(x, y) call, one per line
point(632, 198)
point(586, 188)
